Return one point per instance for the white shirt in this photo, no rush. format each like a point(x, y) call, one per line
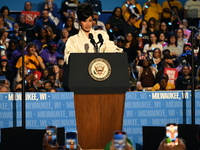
point(80, 43)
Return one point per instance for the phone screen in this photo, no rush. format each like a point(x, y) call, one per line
point(172, 134)
point(51, 135)
point(120, 140)
point(71, 140)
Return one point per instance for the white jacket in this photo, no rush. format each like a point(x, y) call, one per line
point(80, 43)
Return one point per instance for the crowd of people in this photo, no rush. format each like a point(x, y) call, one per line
point(159, 41)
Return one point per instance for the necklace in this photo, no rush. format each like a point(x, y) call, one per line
point(146, 71)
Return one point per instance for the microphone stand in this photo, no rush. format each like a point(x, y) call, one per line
point(193, 86)
point(23, 83)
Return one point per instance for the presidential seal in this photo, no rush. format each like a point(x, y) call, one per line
point(99, 69)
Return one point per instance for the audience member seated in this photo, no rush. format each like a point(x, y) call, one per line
point(180, 36)
point(18, 78)
point(3, 23)
point(4, 40)
point(184, 81)
point(163, 84)
point(60, 62)
point(66, 6)
point(49, 54)
point(152, 9)
point(42, 40)
point(74, 16)
point(143, 34)
point(6, 14)
point(31, 59)
point(115, 23)
point(69, 25)
point(120, 41)
point(11, 48)
point(27, 6)
point(132, 7)
point(45, 72)
point(5, 69)
point(184, 26)
point(153, 25)
point(168, 62)
point(130, 47)
point(62, 41)
point(99, 23)
point(148, 48)
point(157, 58)
point(51, 78)
point(128, 26)
point(191, 12)
point(173, 46)
point(162, 39)
point(53, 10)
point(51, 35)
point(44, 21)
point(146, 75)
point(164, 29)
point(57, 72)
point(181, 145)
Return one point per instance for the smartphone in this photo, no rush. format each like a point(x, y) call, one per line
point(51, 135)
point(120, 140)
point(172, 134)
point(71, 139)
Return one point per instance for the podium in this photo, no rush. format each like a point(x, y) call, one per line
point(99, 81)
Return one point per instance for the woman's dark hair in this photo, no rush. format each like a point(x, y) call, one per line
point(134, 40)
point(5, 8)
point(172, 35)
point(150, 43)
point(32, 44)
point(84, 11)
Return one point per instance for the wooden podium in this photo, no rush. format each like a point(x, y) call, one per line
point(99, 105)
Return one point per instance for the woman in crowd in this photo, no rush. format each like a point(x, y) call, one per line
point(146, 75)
point(6, 13)
point(162, 39)
point(62, 41)
point(148, 48)
point(50, 54)
point(69, 25)
point(43, 39)
point(180, 37)
point(58, 75)
point(184, 81)
point(164, 29)
point(153, 25)
point(131, 47)
point(173, 46)
point(3, 23)
point(157, 58)
point(115, 23)
point(143, 34)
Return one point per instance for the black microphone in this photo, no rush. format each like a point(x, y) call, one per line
point(100, 39)
point(93, 42)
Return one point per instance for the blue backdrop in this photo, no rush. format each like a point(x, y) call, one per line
point(107, 5)
point(141, 109)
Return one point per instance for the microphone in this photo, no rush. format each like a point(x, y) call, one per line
point(93, 42)
point(100, 39)
point(86, 46)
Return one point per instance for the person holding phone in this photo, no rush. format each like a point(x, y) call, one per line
point(181, 145)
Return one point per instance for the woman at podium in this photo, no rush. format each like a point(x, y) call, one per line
point(88, 40)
